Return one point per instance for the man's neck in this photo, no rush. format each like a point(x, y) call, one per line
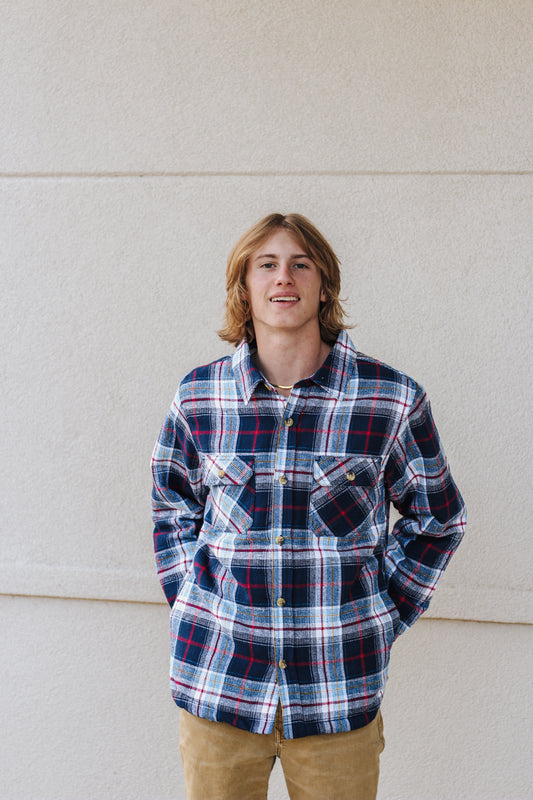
point(285, 359)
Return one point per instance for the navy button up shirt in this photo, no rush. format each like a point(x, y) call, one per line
point(272, 537)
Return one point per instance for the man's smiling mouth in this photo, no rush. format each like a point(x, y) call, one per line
point(289, 299)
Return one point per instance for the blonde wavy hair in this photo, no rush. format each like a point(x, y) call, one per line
point(238, 318)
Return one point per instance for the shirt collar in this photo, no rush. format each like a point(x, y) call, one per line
point(247, 376)
point(339, 367)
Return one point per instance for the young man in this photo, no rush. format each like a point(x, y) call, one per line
point(273, 476)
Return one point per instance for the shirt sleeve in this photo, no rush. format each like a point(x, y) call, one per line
point(433, 514)
point(177, 500)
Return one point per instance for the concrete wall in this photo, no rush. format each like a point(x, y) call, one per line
point(138, 140)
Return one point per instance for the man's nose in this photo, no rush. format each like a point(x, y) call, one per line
point(284, 273)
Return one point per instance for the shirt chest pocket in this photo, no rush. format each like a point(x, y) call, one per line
point(344, 496)
point(231, 497)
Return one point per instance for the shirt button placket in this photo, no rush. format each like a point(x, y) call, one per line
point(284, 465)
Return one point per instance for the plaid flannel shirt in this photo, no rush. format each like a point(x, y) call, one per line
point(272, 537)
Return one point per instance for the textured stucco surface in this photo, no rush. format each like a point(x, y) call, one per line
point(138, 140)
point(210, 86)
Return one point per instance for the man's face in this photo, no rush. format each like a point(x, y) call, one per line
point(284, 286)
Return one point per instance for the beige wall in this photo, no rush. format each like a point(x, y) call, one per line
point(137, 141)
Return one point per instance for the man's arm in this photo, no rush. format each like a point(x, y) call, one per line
point(433, 520)
point(177, 501)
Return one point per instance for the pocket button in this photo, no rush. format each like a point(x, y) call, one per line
point(350, 475)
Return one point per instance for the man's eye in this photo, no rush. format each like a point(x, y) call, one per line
point(300, 265)
point(268, 265)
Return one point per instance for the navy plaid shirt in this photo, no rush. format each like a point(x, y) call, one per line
point(272, 537)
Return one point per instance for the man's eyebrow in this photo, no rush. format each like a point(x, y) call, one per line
point(276, 255)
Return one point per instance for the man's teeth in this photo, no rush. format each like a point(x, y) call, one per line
point(283, 299)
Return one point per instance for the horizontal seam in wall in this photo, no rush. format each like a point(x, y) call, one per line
point(84, 598)
point(426, 617)
point(439, 618)
point(260, 174)
point(475, 603)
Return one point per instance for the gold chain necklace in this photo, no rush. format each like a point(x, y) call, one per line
point(279, 386)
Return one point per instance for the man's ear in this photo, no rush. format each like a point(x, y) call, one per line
point(323, 296)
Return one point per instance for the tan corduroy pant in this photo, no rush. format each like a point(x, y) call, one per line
point(222, 762)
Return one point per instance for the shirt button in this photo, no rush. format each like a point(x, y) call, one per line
point(282, 664)
point(282, 479)
point(221, 473)
point(350, 476)
point(280, 539)
point(289, 421)
point(280, 602)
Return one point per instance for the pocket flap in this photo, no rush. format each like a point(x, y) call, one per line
point(355, 470)
point(220, 469)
